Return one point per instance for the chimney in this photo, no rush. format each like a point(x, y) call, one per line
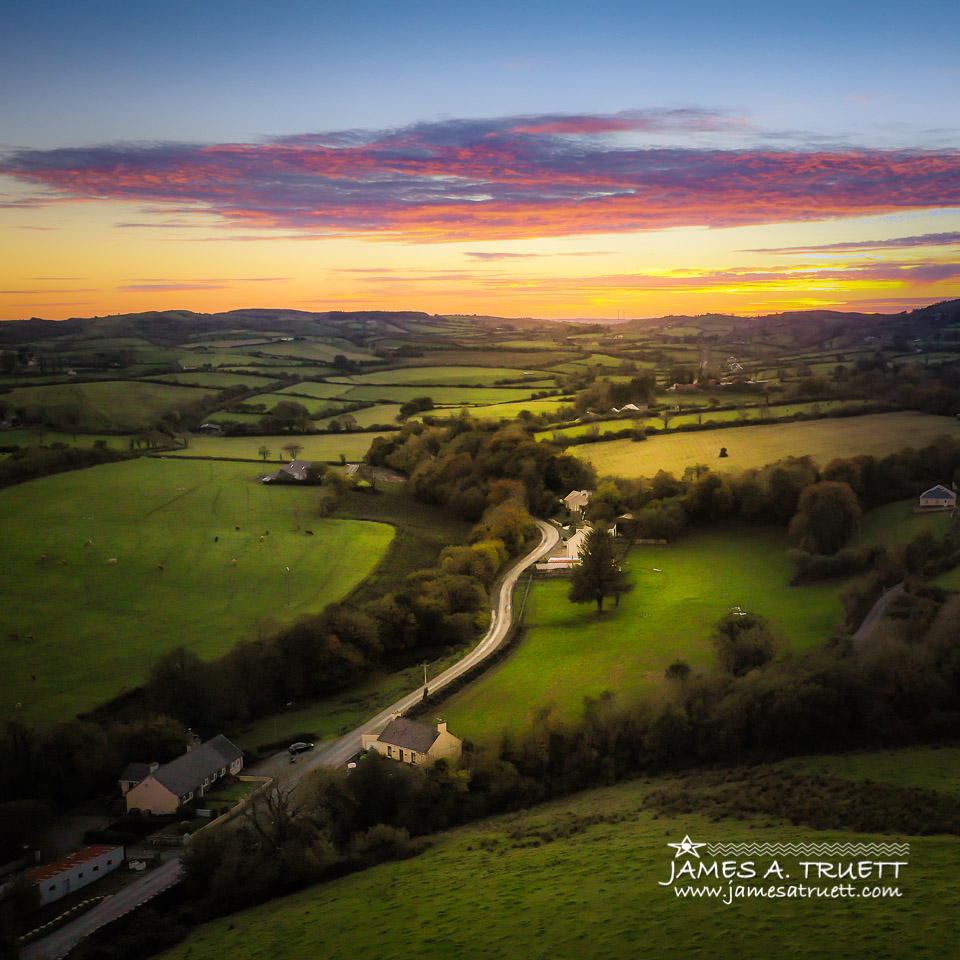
point(441, 726)
point(155, 766)
point(192, 740)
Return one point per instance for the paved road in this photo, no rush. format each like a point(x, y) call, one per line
point(876, 612)
point(334, 754)
point(340, 751)
point(64, 939)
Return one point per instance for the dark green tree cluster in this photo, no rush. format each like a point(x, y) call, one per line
point(457, 465)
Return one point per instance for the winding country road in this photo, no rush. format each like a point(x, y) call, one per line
point(334, 754)
point(340, 751)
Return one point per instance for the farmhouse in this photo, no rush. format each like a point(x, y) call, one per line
point(411, 741)
point(566, 554)
point(164, 788)
point(938, 498)
point(294, 472)
point(71, 873)
point(576, 501)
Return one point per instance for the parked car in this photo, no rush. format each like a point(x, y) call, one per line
point(299, 747)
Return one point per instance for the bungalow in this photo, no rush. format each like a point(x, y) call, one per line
point(411, 741)
point(164, 788)
point(71, 873)
point(294, 472)
point(938, 498)
point(576, 501)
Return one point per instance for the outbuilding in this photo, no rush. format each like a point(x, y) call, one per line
point(56, 880)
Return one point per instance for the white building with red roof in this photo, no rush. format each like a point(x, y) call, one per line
point(56, 880)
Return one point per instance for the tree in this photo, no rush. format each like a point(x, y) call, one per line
point(743, 641)
point(827, 514)
point(264, 451)
point(293, 449)
point(599, 574)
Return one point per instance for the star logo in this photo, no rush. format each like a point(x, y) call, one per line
point(686, 847)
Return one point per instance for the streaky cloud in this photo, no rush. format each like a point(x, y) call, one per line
point(504, 178)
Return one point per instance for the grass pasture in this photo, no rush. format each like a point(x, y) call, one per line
point(107, 405)
point(441, 396)
point(895, 524)
point(580, 879)
point(96, 625)
point(317, 446)
point(440, 376)
point(756, 446)
point(927, 768)
point(570, 652)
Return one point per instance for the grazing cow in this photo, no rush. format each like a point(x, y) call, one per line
point(309, 533)
point(63, 563)
point(266, 533)
point(43, 557)
point(89, 543)
point(160, 567)
point(260, 540)
point(236, 528)
point(234, 562)
point(112, 560)
point(216, 539)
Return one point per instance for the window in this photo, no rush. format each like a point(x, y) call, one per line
point(389, 751)
point(109, 862)
point(80, 874)
point(95, 869)
point(51, 889)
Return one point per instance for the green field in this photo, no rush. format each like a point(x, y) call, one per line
point(580, 879)
point(96, 626)
point(571, 652)
point(214, 379)
point(24, 438)
point(442, 396)
point(309, 350)
point(472, 376)
point(307, 388)
point(384, 413)
point(107, 405)
point(896, 524)
point(756, 446)
point(495, 411)
point(928, 768)
point(316, 446)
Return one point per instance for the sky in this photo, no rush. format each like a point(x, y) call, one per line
point(558, 160)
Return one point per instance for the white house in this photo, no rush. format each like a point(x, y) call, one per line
point(164, 788)
point(294, 472)
point(71, 873)
point(411, 741)
point(938, 498)
point(576, 501)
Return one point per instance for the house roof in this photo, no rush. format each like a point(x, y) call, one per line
point(939, 492)
point(135, 772)
point(51, 870)
point(188, 771)
point(410, 734)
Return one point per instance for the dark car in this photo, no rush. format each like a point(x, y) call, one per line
point(299, 747)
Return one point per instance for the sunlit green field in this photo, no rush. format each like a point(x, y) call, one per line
point(570, 651)
point(95, 626)
point(437, 375)
point(581, 879)
point(322, 446)
point(756, 446)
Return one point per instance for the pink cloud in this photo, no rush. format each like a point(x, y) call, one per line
point(506, 178)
